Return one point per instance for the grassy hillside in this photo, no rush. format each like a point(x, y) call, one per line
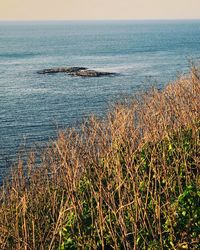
point(130, 181)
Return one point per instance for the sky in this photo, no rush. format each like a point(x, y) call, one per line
point(98, 9)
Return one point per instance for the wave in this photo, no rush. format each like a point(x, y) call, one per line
point(18, 55)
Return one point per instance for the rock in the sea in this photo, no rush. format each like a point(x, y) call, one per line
point(76, 71)
point(91, 73)
point(61, 70)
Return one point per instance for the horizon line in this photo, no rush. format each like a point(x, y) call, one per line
point(98, 20)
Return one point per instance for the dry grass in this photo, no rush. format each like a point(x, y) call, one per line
point(128, 182)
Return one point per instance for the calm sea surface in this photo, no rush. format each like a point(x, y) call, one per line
point(33, 106)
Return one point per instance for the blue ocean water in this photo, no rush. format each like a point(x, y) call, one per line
point(33, 106)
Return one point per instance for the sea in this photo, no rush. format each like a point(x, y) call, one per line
point(34, 107)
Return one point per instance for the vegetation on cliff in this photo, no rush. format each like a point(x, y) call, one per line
point(130, 181)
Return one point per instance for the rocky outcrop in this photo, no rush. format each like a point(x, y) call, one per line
point(61, 70)
point(91, 73)
point(76, 71)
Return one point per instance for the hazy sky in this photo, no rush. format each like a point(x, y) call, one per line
point(98, 9)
